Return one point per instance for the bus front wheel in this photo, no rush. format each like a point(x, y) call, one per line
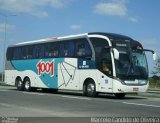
point(90, 89)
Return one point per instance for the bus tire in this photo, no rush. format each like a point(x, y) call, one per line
point(119, 95)
point(90, 89)
point(84, 90)
point(19, 84)
point(27, 85)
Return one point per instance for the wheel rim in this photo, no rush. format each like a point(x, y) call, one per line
point(27, 85)
point(90, 88)
point(19, 83)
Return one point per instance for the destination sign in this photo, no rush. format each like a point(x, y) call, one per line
point(121, 45)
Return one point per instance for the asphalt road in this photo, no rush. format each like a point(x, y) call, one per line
point(15, 103)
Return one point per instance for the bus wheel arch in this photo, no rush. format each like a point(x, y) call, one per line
point(27, 84)
point(19, 83)
point(89, 87)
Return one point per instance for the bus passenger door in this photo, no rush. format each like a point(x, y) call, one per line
point(105, 66)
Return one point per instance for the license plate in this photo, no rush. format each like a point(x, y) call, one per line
point(135, 89)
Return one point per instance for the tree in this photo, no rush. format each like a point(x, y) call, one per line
point(156, 70)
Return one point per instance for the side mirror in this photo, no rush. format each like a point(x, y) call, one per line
point(154, 56)
point(153, 52)
point(116, 53)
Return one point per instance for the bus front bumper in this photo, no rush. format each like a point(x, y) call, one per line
point(118, 87)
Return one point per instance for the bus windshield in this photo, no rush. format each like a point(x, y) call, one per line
point(131, 65)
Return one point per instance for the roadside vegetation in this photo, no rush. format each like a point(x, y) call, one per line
point(154, 82)
point(155, 79)
point(0, 76)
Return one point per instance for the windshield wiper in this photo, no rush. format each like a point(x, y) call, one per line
point(131, 65)
point(128, 69)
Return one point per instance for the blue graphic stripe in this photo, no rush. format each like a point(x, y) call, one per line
point(46, 78)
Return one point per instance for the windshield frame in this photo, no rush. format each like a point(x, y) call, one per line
point(127, 49)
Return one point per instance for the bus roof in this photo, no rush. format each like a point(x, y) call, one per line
point(51, 39)
point(109, 35)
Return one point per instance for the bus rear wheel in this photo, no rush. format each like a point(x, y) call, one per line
point(27, 85)
point(90, 89)
point(119, 95)
point(19, 84)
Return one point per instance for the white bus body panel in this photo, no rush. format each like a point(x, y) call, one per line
point(68, 74)
point(11, 76)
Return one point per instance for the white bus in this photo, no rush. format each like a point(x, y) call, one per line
point(92, 63)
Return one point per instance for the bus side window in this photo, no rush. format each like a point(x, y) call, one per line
point(55, 49)
point(52, 50)
point(46, 51)
point(67, 49)
point(29, 52)
point(63, 50)
point(10, 52)
point(24, 53)
point(71, 49)
point(106, 62)
point(82, 48)
point(39, 51)
point(98, 44)
point(16, 53)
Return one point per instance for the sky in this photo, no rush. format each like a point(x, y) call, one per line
point(37, 19)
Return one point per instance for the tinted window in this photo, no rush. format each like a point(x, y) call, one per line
point(29, 52)
point(98, 44)
point(67, 49)
point(102, 56)
point(106, 62)
point(24, 52)
point(9, 55)
point(70, 48)
point(16, 53)
point(83, 48)
point(38, 51)
point(75, 48)
point(52, 50)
